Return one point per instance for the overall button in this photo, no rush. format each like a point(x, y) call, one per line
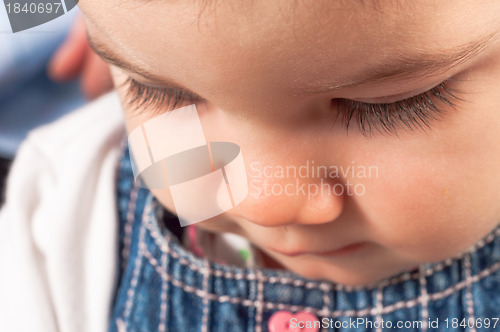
point(285, 321)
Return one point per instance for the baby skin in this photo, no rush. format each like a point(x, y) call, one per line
point(406, 89)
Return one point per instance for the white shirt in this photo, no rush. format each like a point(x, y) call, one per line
point(58, 227)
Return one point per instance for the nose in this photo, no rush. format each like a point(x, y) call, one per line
point(322, 204)
point(312, 202)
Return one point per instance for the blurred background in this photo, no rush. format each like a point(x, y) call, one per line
point(45, 72)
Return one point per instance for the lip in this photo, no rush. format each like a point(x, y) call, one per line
point(350, 248)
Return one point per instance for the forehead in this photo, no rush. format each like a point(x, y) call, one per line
point(197, 41)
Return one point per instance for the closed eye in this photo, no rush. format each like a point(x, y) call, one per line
point(413, 113)
point(157, 99)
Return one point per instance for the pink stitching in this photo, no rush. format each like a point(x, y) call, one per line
point(135, 276)
point(296, 282)
point(163, 245)
point(260, 301)
point(121, 326)
point(424, 298)
point(164, 290)
point(379, 306)
point(334, 314)
point(326, 299)
point(481, 243)
point(470, 303)
point(450, 290)
point(484, 273)
point(204, 321)
point(128, 226)
point(187, 288)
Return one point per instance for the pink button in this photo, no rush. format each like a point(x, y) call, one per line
point(285, 321)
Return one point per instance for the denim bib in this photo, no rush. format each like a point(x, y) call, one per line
point(163, 287)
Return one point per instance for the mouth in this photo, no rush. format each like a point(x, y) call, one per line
point(347, 249)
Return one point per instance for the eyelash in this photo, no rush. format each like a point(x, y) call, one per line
point(159, 99)
point(416, 112)
point(413, 113)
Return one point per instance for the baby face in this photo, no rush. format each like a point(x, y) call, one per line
point(392, 107)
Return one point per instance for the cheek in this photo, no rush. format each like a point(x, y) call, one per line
point(258, 206)
point(438, 200)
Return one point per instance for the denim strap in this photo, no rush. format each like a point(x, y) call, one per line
point(164, 287)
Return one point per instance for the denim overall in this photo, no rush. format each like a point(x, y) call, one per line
point(163, 287)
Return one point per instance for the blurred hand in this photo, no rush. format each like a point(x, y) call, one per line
point(75, 58)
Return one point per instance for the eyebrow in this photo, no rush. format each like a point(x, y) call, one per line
point(416, 65)
point(413, 66)
point(110, 57)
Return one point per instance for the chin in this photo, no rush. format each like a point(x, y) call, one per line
point(351, 278)
point(351, 272)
